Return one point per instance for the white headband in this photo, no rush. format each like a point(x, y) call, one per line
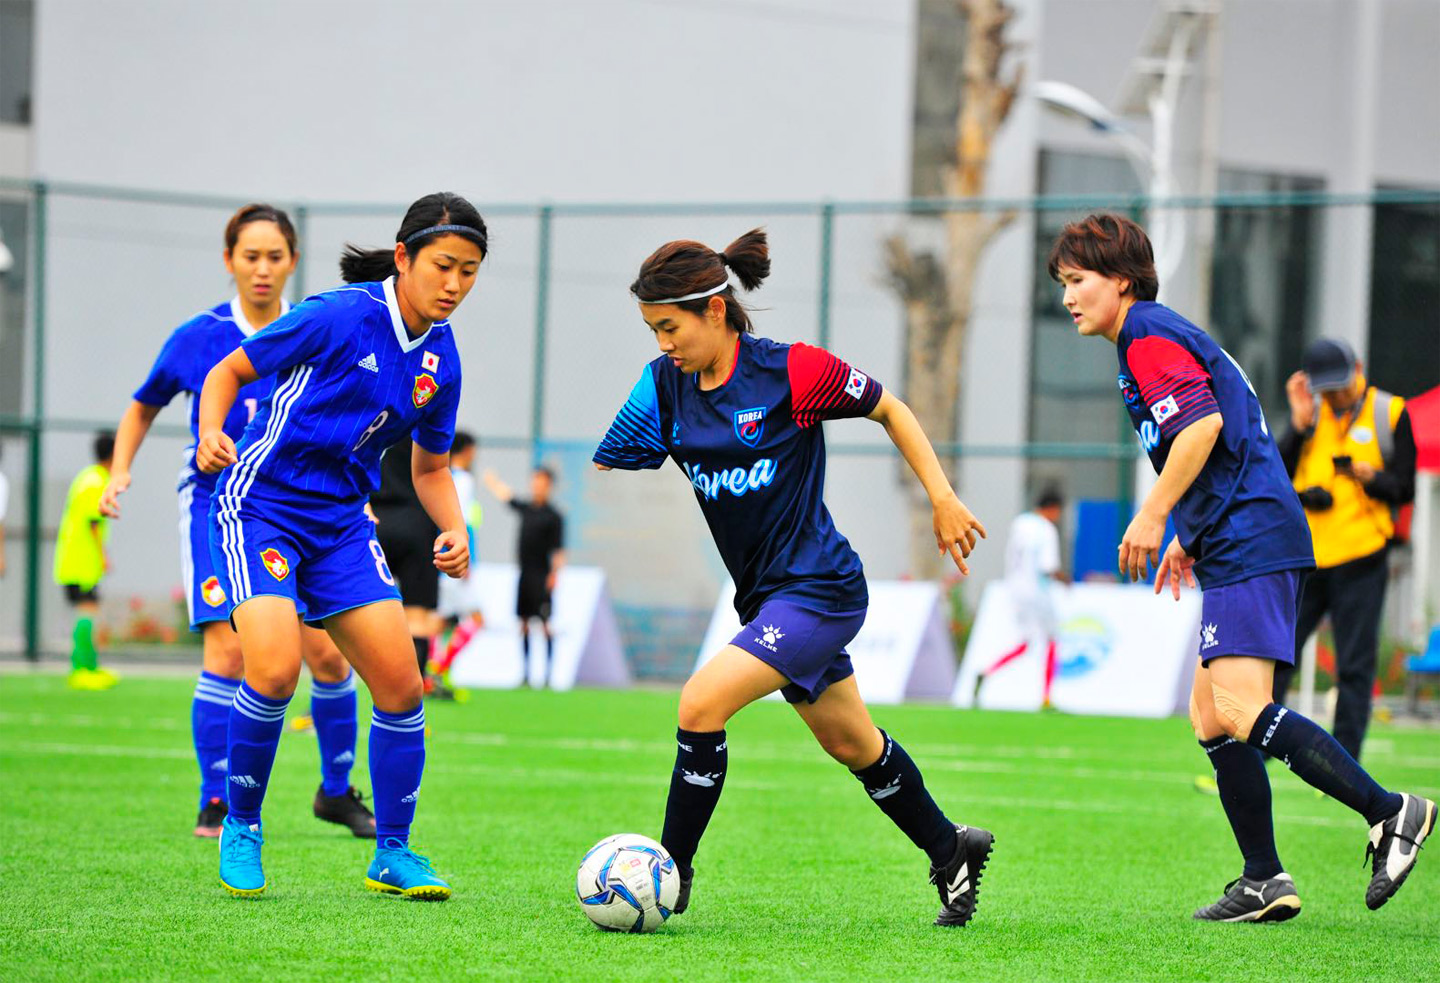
point(724, 285)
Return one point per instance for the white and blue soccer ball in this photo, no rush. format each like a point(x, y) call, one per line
point(627, 883)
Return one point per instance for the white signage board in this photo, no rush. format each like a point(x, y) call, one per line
point(586, 648)
point(903, 651)
point(1121, 651)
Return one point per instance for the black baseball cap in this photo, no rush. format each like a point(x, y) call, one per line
point(1330, 364)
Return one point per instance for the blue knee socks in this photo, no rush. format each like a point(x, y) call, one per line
point(255, 725)
point(209, 726)
point(397, 760)
point(332, 707)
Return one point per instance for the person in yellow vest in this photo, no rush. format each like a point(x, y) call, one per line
point(80, 563)
point(1351, 455)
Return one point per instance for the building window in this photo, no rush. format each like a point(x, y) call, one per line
point(1404, 356)
point(17, 43)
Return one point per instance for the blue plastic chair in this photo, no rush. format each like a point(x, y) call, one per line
point(1426, 663)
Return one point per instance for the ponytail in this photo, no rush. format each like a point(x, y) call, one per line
point(684, 267)
point(428, 218)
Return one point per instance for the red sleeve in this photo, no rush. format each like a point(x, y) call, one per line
point(823, 387)
point(1173, 384)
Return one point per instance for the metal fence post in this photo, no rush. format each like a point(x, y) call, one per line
point(37, 428)
point(542, 313)
point(827, 237)
point(302, 230)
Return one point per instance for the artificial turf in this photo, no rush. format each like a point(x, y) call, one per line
point(1103, 849)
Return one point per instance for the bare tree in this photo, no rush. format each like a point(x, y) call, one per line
point(938, 292)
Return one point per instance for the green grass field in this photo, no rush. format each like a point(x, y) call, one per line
point(1102, 851)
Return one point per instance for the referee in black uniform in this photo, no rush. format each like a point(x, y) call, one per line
point(541, 550)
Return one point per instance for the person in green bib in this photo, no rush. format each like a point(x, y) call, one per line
point(80, 563)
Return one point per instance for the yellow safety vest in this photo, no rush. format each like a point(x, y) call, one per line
point(1356, 525)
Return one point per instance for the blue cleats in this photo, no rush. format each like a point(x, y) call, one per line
point(397, 869)
point(240, 871)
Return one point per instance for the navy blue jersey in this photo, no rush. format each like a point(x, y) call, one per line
point(1241, 517)
point(189, 354)
point(350, 381)
point(756, 458)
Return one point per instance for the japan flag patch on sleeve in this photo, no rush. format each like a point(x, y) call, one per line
point(1164, 409)
point(858, 381)
point(429, 362)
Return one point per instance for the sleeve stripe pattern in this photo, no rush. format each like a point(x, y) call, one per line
point(634, 440)
point(1170, 379)
point(819, 387)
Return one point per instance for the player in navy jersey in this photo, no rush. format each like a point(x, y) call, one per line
point(1241, 533)
point(260, 253)
point(356, 369)
point(740, 415)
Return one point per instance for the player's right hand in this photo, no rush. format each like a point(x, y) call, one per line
point(110, 497)
point(215, 452)
point(1173, 565)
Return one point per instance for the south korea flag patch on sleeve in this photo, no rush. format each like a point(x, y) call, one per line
point(429, 362)
point(858, 381)
point(1164, 409)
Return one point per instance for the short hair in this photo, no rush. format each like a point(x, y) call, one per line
point(546, 470)
point(1050, 498)
point(1112, 246)
point(104, 446)
point(463, 441)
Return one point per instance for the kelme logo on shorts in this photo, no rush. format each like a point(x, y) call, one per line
point(425, 389)
point(213, 593)
point(276, 563)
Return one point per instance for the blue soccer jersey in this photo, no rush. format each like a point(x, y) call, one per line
point(1240, 518)
point(755, 455)
point(189, 354)
point(350, 381)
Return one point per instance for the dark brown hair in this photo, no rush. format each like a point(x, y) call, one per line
point(443, 208)
point(1111, 246)
point(686, 267)
point(259, 212)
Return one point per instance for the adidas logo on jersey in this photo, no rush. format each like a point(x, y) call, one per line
point(369, 364)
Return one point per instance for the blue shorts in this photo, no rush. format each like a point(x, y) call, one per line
point(806, 647)
point(322, 555)
point(1254, 617)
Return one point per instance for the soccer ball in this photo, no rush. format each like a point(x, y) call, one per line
point(627, 883)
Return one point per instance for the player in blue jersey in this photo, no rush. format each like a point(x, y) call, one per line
point(1241, 533)
point(740, 415)
point(356, 369)
point(260, 253)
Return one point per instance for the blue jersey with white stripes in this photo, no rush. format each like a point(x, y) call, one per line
point(755, 455)
point(350, 381)
point(189, 354)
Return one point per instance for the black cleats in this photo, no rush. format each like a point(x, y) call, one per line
point(1395, 846)
point(959, 880)
point(682, 900)
point(1272, 900)
point(207, 824)
point(347, 810)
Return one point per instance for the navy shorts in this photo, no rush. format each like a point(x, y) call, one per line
point(323, 556)
point(806, 647)
point(1254, 617)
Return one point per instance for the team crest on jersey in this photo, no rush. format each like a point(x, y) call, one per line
point(1130, 393)
point(213, 593)
point(425, 389)
point(275, 562)
point(750, 425)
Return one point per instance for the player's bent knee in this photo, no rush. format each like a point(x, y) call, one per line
point(1234, 713)
point(276, 683)
point(699, 712)
point(327, 664)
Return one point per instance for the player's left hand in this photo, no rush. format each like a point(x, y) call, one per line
point(955, 530)
point(1362, 471)
point(452, 553)
point(1174, 565)
point(1140, 548)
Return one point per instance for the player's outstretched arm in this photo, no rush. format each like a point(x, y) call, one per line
point(216, 451)
point(955, 526)
point(1140, 548)
point(497, 487)
point(435, 487)
point(134, 425)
